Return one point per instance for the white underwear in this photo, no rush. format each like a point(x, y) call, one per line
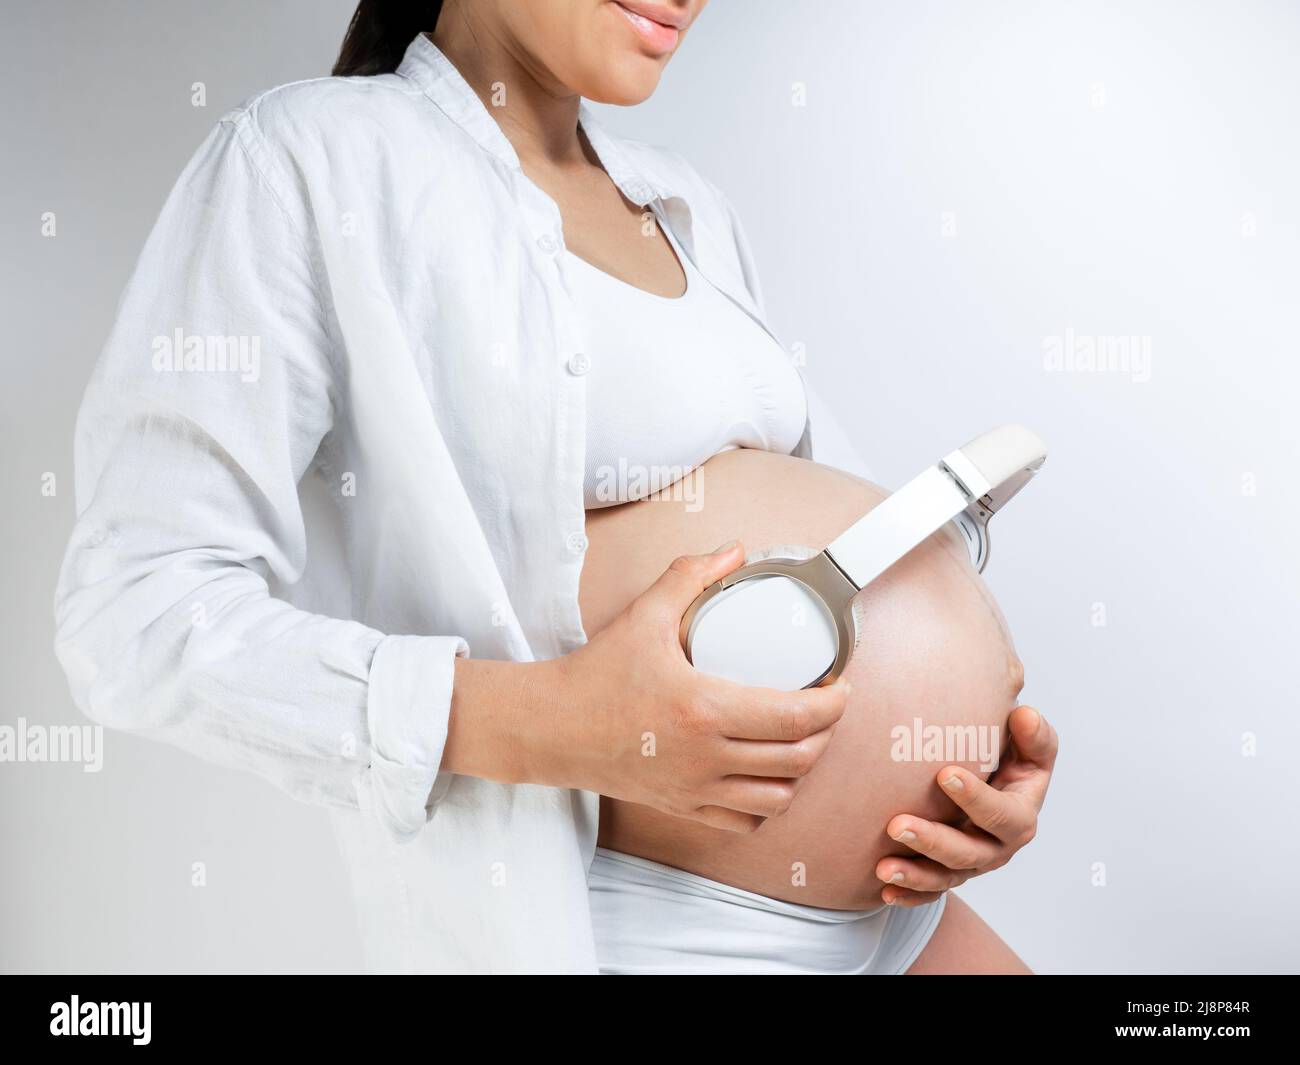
point(652, 918)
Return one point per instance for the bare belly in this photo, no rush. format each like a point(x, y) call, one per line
point(934, 653)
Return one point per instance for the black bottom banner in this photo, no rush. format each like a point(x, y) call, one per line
point(380, 1014)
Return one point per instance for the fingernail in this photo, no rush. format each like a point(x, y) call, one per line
point(725, 547)
point(897, 878)
point(906, 836)
point(954, 783)
point(1038, 721)
point(888, 901)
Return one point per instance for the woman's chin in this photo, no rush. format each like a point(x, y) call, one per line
point(631, 81)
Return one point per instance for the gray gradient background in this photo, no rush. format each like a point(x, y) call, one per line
point(1099, 159)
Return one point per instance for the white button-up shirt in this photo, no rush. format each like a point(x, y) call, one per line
point(354, 279)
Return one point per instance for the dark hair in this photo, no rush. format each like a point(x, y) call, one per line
point(379, 33)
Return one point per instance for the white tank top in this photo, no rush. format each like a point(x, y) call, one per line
point(672, 381)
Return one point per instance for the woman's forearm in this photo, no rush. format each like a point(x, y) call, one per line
point(625, 715)
point(504, 722)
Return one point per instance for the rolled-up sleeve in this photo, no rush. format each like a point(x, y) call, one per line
point(208, 404)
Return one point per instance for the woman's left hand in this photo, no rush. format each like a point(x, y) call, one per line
point(1001, 817)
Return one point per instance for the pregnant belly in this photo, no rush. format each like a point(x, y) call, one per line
point(934, 677)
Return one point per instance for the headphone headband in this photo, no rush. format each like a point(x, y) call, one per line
point(968, 486)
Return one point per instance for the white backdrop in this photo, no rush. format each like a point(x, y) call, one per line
point(952, 203)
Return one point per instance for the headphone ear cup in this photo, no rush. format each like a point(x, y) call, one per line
point(972, 527)
point(797, 551)
point(768, 630)
point(859, 620)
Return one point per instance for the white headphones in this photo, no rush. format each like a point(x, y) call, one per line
point(788, 622)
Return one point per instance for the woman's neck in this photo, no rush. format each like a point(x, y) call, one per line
point(538, 115)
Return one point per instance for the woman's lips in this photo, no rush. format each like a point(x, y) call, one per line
point(659, 37)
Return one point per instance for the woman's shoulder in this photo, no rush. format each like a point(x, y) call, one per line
point(338, 117)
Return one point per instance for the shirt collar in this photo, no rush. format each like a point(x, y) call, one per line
point(426, 66)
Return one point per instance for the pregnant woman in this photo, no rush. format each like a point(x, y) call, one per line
point(428, 317)
point(671, 895)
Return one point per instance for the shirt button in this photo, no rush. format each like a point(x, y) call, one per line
point(579, 364)
point(548, 243)
point(576, 543)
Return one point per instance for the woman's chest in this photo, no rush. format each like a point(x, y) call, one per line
point(606, 229)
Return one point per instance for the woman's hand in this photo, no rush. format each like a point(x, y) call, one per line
point(1001, 817)
point(651, 729)
point(626, 715)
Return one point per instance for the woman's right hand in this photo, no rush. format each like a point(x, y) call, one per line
point(635, 721)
